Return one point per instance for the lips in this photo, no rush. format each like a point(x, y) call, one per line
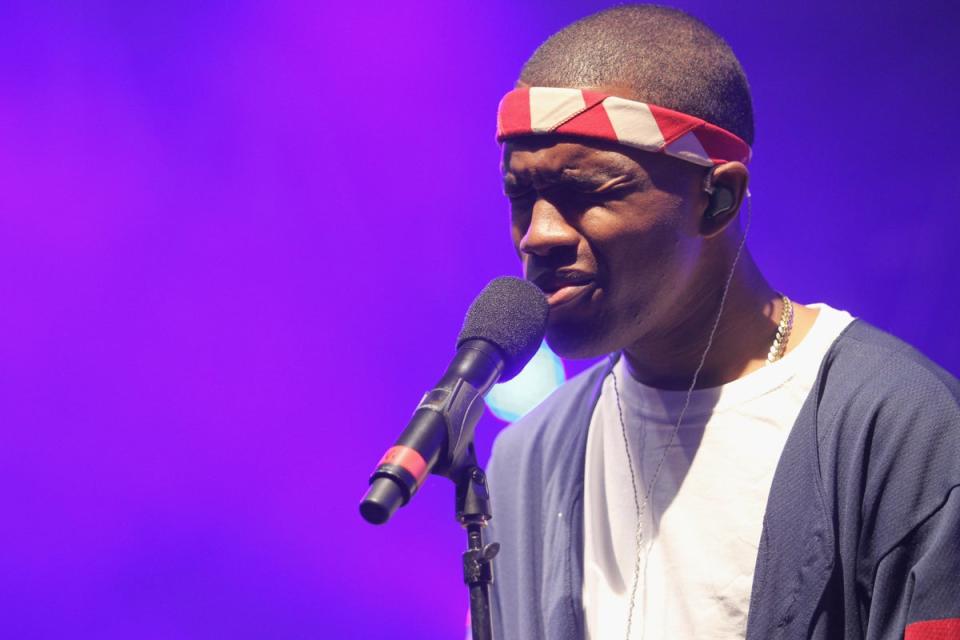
point(568, 294)
point(563, 287)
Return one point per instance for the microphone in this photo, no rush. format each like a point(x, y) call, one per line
point(503, 329)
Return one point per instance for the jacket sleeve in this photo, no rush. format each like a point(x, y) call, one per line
point(916, 590)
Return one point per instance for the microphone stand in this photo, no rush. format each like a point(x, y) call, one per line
point(473, 512)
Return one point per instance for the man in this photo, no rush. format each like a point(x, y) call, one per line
point(743, 465)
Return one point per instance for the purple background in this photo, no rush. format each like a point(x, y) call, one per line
point(238, 240)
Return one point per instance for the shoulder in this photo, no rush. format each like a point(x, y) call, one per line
point(563, 405)
point(870, 370)
point(552, 429)
point(889, 431)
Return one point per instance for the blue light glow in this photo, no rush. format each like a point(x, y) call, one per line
point(513, 399)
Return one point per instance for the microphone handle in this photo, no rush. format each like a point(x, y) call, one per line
point(439, 432)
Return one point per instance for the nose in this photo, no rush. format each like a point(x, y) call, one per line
point(548, 231)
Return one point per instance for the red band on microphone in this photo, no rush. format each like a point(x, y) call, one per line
point(409, 459)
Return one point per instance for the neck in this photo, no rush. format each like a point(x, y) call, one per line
point(669, 358)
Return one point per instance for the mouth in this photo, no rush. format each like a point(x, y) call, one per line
point(564, 287)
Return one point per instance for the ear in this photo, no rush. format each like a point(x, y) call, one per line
point(728, 184)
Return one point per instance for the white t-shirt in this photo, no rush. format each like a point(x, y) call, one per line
point(702, 524)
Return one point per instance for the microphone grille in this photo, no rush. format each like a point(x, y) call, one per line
point(512, 314)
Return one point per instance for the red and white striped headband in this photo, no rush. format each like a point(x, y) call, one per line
point(582, 113)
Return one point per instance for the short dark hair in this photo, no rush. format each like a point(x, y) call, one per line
point(664, 55)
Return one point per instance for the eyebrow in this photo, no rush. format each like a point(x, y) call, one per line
point(593, 179)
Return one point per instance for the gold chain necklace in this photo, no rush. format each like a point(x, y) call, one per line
point(783, 331)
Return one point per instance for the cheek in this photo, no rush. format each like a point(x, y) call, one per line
point(635, 256)
point(647, 268)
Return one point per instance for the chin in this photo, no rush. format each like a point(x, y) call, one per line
point(577, 342)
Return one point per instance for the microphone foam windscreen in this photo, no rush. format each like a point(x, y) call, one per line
point(512, 314)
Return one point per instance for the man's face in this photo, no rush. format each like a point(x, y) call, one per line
point(611, 235)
